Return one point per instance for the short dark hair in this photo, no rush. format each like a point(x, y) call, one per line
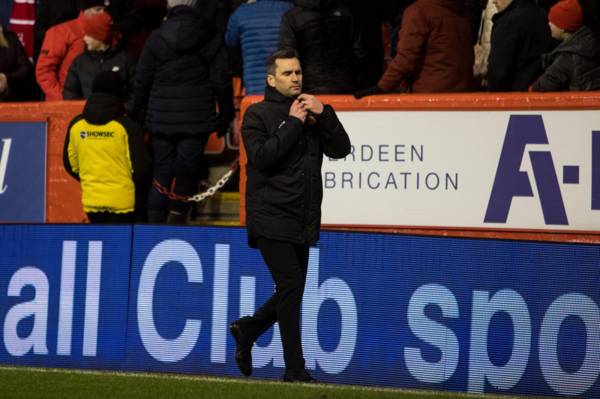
point(284, 53)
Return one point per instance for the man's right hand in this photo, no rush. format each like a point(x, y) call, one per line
point(298, 111)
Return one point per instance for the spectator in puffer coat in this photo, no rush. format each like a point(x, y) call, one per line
point(98, 56)
point(520, 36)
point(575, 64)
point(62, 44)
point(255, 28)
point(181, 75)
point(329, 44)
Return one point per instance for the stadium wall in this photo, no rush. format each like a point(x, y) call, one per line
point(460, 314)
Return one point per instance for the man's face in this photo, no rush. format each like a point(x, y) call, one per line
point(502, 4)
point(288, 77)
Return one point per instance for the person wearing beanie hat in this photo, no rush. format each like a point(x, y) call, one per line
point(100, 29)
point(566, 16)
point(99, 56)
point(62, 44)
point(574, 65)
point(104, 149)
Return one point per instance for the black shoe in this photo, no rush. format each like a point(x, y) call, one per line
point(298, 375)
point(243, 349)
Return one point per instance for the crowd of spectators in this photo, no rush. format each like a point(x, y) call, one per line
point(431, 46)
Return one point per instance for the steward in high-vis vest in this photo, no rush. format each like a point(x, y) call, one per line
point(105, 151)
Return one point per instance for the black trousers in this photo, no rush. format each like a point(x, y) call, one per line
point(179, 157)
point(288, 264)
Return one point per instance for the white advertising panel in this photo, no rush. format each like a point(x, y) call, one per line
point(467, 169)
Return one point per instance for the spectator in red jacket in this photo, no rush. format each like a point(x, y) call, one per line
point(434, 52)
point(61, 45)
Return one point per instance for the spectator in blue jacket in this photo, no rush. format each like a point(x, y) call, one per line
point(255, 28)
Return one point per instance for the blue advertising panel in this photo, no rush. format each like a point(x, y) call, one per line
point(420, 312)
point(401, 311)
point(64, 292)
point(22, 172)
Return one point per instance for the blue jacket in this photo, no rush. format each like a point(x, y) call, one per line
point(255, 27)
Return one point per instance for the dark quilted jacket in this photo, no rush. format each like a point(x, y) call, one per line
point(328, 43)
point(574, 65)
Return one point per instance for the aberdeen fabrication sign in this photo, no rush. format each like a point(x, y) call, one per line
point(469, 169)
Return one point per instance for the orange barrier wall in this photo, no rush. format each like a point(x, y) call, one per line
point(455, 102)
point(63, 196)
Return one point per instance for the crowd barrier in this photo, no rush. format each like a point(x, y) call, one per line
point(474, 315)
point(451, 145)
point(60, 195)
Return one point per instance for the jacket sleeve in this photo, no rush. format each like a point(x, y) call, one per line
point(22, 61)
point(557, 76)
point(287, 37)
point(70, 154)
point(53, 52)
point(265, 149)
point(72, 89)
point(144, 78)
point(232, 35)
point(412, 41)
point(220, 79)
point(335, 140)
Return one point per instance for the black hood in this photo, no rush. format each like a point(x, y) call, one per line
point(186, 28)
point(102, 108)
point(319, 5)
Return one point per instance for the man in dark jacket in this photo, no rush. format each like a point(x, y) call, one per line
point(520, 36)
point(575, 64)
point(329, 45)
point(181, 73)
point(285, 137)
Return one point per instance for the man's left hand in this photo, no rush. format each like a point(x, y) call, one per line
point(310, 103)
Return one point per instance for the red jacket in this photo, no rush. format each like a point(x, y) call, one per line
point(435, 50)
point(61, 45)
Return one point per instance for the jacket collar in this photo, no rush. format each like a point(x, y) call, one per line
point(272, 95)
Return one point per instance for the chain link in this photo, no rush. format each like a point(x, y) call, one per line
point(200, 196)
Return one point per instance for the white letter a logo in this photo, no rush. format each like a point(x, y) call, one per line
point(4, 163)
